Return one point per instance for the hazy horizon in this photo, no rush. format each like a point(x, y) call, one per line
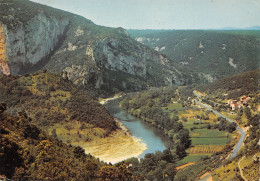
point(165, 14)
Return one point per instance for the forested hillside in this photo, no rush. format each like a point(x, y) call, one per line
point(55, 104)
point(235, 86)
point(215, 53)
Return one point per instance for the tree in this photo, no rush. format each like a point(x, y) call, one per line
point(79, 152)
point(10, 159)
point(248, 113)
point(167, 156)
point(180, 151)
point(124, 103)
point(46, 152)
point(231, 127)
point(184, 119)
point(169, 171)
point(31, 131)
point(184, 137)
point(114, 173)
point(54, 134)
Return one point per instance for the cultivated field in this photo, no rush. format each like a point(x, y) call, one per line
point(205, 149)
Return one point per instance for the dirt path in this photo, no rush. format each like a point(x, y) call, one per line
point(185, 165)
point(241, 172)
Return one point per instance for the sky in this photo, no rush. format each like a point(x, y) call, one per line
point(164, 14)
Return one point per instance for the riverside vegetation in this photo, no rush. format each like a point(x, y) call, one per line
point(171, 110)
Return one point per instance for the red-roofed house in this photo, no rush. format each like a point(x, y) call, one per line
point(234, 104)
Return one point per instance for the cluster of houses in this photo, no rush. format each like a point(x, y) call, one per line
point(235, 104)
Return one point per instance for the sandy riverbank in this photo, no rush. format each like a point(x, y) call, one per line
point(116, 147)
point(104, 101)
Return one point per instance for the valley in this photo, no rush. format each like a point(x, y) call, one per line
point(83, 101)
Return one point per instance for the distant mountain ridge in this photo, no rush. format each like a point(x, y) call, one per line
point(247, 28)
point(216, 53)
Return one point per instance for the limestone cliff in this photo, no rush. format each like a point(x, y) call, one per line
point(28, 44)
point(115, 55)
point(91, 56)
point(122, 56)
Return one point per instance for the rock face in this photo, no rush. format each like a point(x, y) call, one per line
point(121, 57)
point(4, 67)
point(112, 54)
point(31, 42)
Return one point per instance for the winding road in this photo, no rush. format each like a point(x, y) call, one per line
point(242, 133)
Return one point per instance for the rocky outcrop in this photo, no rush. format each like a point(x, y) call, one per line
point(114, 54)
point(83, 76)
point(4, 67)
point(31, 42)
point(207, 77)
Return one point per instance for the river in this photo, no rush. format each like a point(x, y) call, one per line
point(151, 136)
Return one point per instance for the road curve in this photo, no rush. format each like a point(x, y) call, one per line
point(242, 133)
